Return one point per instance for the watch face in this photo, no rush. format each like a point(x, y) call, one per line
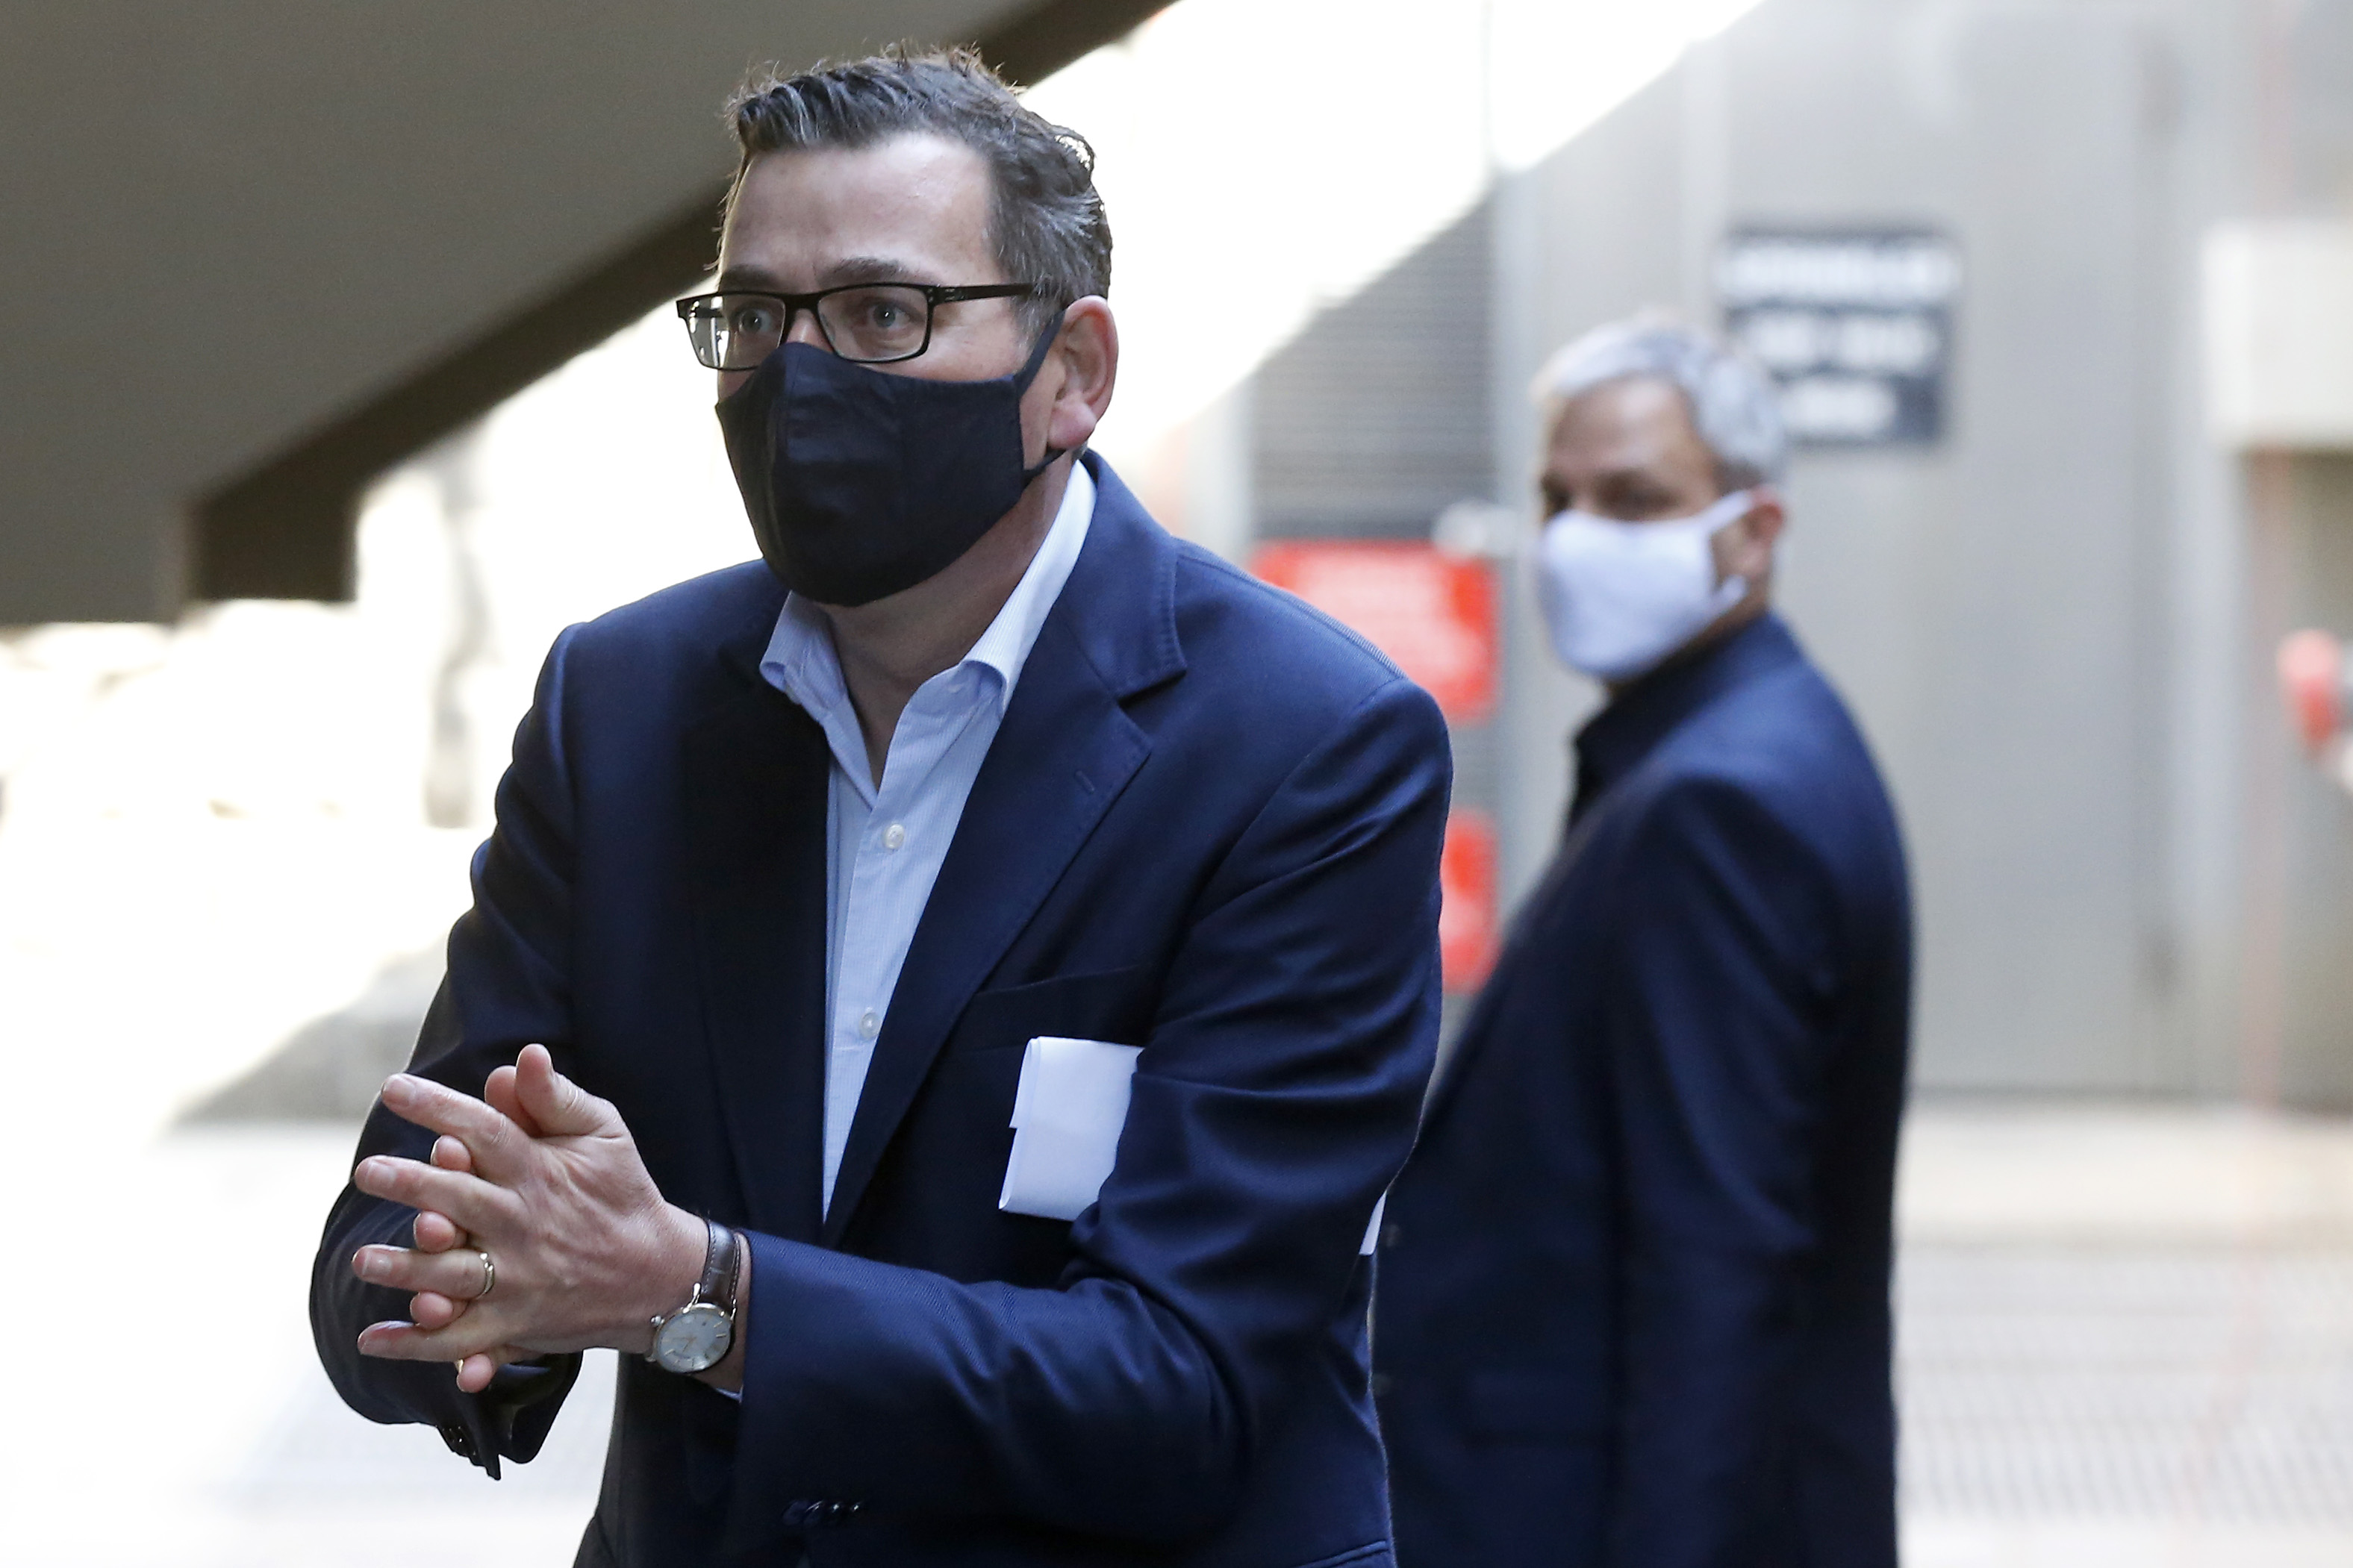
point(694, 1338)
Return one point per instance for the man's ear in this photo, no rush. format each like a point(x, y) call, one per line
point(1753, 536)
point(1081, 371)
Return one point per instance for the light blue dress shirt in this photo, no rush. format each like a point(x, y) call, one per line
point(884, 843)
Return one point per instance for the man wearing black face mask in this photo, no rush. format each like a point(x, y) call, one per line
point(944, 1003)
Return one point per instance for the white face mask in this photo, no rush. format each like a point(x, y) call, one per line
point(1620, 597)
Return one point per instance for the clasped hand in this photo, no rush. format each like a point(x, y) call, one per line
point(544, 1177)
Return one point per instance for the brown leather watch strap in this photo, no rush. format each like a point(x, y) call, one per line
point(719, 1266)
point(724, 1268)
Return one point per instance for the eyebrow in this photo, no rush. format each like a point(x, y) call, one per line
point(872, 269)
point(849, 270)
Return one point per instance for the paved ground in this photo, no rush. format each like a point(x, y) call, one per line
point(2090, 1379)
point(2127, 1338)
point(201, 1434)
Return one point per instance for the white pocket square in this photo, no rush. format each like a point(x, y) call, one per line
point(1068, 1110)
point(1066, 1113)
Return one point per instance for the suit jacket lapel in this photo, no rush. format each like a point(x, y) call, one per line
point(1061, 757)
point(756, 775)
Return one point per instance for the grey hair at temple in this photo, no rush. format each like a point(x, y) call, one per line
point(1732, 403)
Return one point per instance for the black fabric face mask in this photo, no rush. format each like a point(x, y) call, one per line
point(859, 483)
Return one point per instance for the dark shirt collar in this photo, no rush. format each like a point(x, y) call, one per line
point(1616, 739)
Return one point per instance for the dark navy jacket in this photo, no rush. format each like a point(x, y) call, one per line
point(1209, 826)
point(1633, 1302)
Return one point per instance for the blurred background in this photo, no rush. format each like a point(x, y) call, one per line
point(339, 377)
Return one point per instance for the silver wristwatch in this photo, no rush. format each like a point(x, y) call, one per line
point(696, 1337)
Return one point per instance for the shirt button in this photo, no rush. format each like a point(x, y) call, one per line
point(869, 1023)
point(894, 835)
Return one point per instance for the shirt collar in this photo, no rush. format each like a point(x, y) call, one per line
point(800, 660)
point(1616, 739)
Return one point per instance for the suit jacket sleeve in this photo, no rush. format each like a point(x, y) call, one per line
point(1716, 1024)
point(1276, 1097)
point(506, 988)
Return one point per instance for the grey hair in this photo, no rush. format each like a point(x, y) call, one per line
point(1731, 402)
point(1046, 223)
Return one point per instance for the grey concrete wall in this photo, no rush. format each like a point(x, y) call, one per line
point(2036, 619)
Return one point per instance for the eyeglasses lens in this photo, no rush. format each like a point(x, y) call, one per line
point(873, 322)
point(881, 321)
point(735, 332)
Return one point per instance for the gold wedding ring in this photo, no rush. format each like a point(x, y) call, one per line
point(490, 1276)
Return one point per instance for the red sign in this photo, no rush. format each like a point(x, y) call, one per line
point(1434, 615)
point(1467, 933)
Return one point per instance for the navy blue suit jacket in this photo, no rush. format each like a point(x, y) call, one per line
point(1634, 1295)
point(1209, 826)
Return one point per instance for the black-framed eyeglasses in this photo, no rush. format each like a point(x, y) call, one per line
point(870, 323)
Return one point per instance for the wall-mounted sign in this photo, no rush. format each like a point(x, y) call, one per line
point(1469, 923)
point(1433, 614)
point(1856, 326)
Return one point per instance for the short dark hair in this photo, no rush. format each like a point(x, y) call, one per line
point(1046, 220)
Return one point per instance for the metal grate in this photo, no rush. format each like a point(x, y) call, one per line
point(1376, 415)
point(2204, 1383)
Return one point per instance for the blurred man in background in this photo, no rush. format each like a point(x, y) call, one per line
point(799, 866)
point(1633, 1302)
